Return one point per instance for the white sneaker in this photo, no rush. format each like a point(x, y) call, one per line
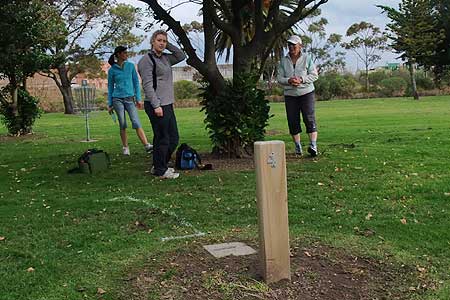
point(152, 170)
point(126, 150)
point(169, 174)
point(148, 148)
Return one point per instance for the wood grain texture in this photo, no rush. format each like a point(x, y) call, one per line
point(271, 193)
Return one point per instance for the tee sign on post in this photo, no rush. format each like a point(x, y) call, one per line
point(84, 97)
point(271, 194)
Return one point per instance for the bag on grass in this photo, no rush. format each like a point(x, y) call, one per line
point(187, 158)
point(92, 161)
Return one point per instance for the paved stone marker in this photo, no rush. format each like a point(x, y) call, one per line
point(225, 249)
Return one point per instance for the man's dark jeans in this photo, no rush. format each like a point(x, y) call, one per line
point(165, 136)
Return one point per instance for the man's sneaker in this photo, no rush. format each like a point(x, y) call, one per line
point(126, 151)
point(298, 149)
point(170, 174)
point(148, 148)
point(152, 170)
point(313, 151)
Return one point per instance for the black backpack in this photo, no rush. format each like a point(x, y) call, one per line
point(92, 161)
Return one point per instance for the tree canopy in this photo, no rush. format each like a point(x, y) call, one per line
point(28, 29)
point(367, 43)
point(413, 33)
point(112, 24)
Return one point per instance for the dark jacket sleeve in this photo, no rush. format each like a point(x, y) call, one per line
point(176, 54)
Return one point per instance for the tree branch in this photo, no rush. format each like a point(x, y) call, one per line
point(298, 14)
point(51, 75)
point(163, 15)
point(209, 32)
point(64, 7)
point(224, 7)
point(274, 10)
point(222, 25)
point(259, 20)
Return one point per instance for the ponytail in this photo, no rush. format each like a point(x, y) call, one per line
point(111, 60)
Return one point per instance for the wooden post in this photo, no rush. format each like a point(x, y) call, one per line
point(271, 194)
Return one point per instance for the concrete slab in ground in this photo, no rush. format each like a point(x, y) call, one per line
point(225, 249)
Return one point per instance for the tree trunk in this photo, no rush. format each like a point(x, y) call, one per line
point(367, 81)
point(14, 95)
point(65, 89)
point(412, 73)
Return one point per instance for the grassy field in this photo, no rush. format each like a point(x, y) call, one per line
point(384, 167)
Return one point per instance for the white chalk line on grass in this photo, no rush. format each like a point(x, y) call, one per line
point(181, 220)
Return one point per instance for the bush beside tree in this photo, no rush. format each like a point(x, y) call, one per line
point(21, 121)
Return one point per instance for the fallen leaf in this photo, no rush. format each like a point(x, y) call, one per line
point(369, 232)
point(2, 238)
point(307, 253)
point(149, 231)
point(369, 216)
point(421, 269)
point(30, 269)
point(403, 220)
point(447, 194)
point(101, 291)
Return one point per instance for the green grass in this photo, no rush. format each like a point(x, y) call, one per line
point(78, 231)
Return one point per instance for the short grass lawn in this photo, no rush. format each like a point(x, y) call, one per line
point(384, 168)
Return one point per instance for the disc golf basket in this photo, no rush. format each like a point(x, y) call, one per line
point(84, 97)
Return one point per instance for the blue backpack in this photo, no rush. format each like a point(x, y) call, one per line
point(187, 158)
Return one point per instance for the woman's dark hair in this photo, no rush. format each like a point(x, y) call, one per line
point(118, 49)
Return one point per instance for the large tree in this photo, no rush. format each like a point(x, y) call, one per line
point(27, 30)
point(93, 29)
point(441, 61)
point(325, 49)
point(253, 28)
point(413, 34)
point(367, 42)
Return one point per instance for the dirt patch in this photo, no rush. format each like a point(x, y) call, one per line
point(25, 137)
point(246, 163)
point(318, 273)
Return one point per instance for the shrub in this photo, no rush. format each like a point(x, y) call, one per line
point(333, 85)
point(393, 86)
point(185, 89)
point(277, 90)
point(236, 116)
point(27, 112)
point(425, 83)
point(376, 77)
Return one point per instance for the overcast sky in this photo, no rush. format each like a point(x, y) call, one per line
point(339, 13)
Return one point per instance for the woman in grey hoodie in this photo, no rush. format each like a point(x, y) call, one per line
point(296, 73)
point(155, 70)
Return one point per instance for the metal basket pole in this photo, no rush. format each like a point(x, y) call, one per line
point(85, 96)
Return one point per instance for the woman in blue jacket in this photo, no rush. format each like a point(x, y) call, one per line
point(124, 94)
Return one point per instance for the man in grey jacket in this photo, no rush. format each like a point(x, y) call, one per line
point(155, 70)
point(296, 73)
